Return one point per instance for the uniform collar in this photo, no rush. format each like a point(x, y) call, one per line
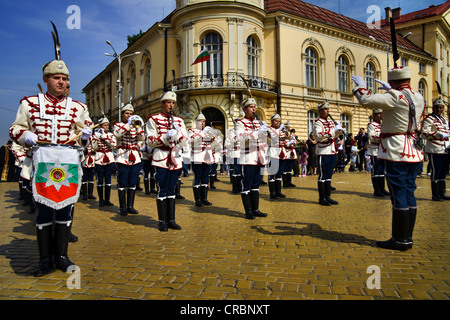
point(54, 99)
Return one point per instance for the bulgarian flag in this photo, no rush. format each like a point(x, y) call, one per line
point(57, 176)
point(202, 56)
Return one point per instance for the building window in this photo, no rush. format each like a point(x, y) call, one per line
point(213, 42)
point(343, 74)
point(403, 62)
point(311, 118)
point(252, 57)
point(421, 68)
point(147, 77)
point(345, 122)
point(422, 88)
point(311, 68)
point(370, 76)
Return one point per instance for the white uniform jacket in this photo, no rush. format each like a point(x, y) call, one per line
point(253, 147)
point(232, 146)
point(166, 154)
point(53, 120)
point(433, 126)
point(128, 147)
point(277, 144)
point(397, 131)
point(104, 145)
point(88, 159)
point(324, 134)
point(374, 133)
point(202, 147)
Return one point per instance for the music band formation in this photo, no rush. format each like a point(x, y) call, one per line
point(161, 145)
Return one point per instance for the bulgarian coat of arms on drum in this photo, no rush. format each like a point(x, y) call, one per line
point(57, 175)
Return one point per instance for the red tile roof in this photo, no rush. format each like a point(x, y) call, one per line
point(431, 11)
point(322, 15)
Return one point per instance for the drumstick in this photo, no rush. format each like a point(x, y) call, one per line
point(80, 134)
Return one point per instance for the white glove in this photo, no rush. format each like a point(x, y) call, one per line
point(31, 138)
point(130, 119)
point(171, 134)
point(207, 130)
point(281, 127)
point(384, 85)
point(338, 127)
point(444, 135)
point(97, 134)
point(292, 142)
point(86, 133)
point(177, 126)
point(263, 129)
point(359, 81)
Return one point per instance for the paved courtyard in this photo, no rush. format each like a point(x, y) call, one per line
point(300, 251)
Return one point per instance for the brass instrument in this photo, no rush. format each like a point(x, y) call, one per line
point(137, 121)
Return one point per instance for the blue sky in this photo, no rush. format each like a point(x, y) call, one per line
point(27, 44)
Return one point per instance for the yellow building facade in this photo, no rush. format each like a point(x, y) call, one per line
point(292, 57)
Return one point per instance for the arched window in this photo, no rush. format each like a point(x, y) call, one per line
point(345, 122)
point(148, 76)
point(370, 76)
point(252, 57)
point(311, 118)
point(342, 66)
point(213, 42)
point(311, 68)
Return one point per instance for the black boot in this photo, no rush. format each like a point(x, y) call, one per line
point(254, 200)
point(285, 181)
point(235, 184)
point(178, 190)
point(245, 196)
point(146, 186)
point(272, 189)
point(328, 193)
point(382, 186)
point(278, 189)
point(84, 190)
point(161, 206)
point(412, 223)
point(204, 195)
point(153, 185)
point(171, 214)
point(212, 178)
point(61, 243)
point(44, 236)
point(72, 238)
point(400, 231)
point(289, 180)
point(21, 193)
point(442, 189)
point(108, 195)
point(322, 198)
point(376, 187)
point(101, 202)
point(435, 192)
point(91, 190)
point(122, 201)
point(197, 196)
point(130, 201)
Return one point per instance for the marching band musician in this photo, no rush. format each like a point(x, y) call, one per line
point(252, 136)
point(377, 173)
point(51, 118)
point(436, 131)
point(201, 139)
point(166, 134)
point(88, 163)
point(325, 132)
point(289, 157)
point(276, 154)
point(217, 152)
point(128, 158)
point(233, 153)
point(402, 110)
point(103, 143)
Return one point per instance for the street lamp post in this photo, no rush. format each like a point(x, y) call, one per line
point(119, 59)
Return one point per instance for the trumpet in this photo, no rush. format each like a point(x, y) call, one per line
point(137, 121)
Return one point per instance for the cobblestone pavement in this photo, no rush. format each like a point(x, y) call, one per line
point(300, 251)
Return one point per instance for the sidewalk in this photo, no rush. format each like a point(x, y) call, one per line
point(300, 251)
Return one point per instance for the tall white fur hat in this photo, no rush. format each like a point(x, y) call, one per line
point(169, 95)
point(399, 73)
point(55, 67)
point(248, 102)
